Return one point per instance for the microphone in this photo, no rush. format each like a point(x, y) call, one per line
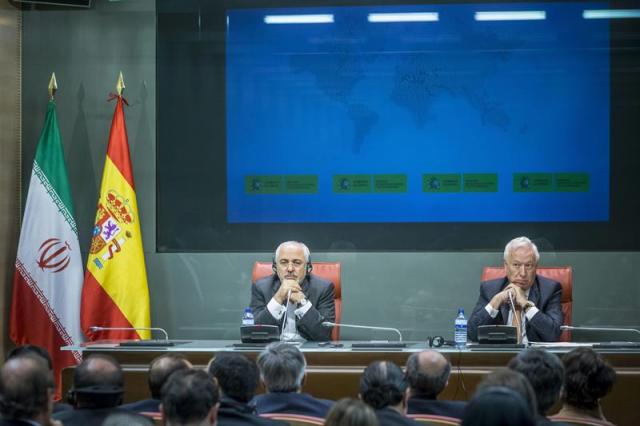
point(587, 328)
point(95, 328)
point(286, 314)
point(366, 327)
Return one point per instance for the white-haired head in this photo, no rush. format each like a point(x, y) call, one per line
point(305, 249)
point(519, 242)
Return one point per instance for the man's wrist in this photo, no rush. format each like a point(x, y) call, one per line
point(528, 306)
point(302, 302)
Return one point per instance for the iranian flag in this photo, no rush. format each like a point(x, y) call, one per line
point(47, 283)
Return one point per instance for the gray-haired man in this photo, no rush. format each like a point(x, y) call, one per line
point(536, 299)
point(282, 371)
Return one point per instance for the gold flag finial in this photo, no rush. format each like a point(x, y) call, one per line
point(53, 85)
point(120, 84)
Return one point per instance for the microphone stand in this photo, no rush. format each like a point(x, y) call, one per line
point(365, 327)
point(586, 328)
point(162, 330)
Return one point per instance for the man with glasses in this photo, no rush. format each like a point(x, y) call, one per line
point(537, 314)
point(293, 298)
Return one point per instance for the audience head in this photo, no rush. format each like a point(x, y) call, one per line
point(282, 367)
point(513, 380)
point(588, 378)
point(382, 385)
point(497, 406)
point(31, 350)
point(236, 374)
point(190, 397)
point(97, 383)
point(351, 412)
point(161, 368)
point(544, 371)
point(427, 373)
point(26, 388)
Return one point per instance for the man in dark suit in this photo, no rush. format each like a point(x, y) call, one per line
point(190, 397)
point(96, 393)
point(238, 378)
point(536, 299)
point(282, 370)
point(159, 371)
point(44, 354)
point(311, 299)
point(26, 389)
point(383, 386)
point(428, 373)
point(545, 373)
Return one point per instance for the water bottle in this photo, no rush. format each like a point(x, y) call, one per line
point(247, 317)
point(460, 335)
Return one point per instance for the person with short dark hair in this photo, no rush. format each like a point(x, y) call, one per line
point(384, 388)
point(545, 373)
point(26, 392)
point(498, 406)
point(160, 369)
point(31, 350)
point(238, 378)
point(513, 380)
point(98, 386)
point(351, 412)
point(282, 370)
point(23, 350)
point(190, 397)
point(427, 373)
point(588, 378)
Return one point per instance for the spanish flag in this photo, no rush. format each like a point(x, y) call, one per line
point(115, 292)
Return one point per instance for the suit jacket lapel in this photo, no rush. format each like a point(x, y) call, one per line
point(534, 293)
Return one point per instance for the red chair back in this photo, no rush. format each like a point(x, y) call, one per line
point(329, 271)
point(561, 274)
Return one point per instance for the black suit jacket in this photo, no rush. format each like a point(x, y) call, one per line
point(543, 327)
point(90, 416)
point(418, 405)
point(318, 291)
point(143, 406)
point(291, 403)
point(235, 413)
point(390, 417)
point(8, 422)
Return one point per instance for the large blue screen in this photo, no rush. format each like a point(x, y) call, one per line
point(457, 116)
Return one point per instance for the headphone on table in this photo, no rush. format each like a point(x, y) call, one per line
point(436, 341)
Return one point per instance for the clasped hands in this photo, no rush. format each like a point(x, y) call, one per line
point(296, 292)
point(518, 295)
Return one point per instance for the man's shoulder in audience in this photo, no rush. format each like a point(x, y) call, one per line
point(145, 405)
point(436, 407)
point(390, 417)
point(86, 416)
point(292, 402)
point(232, 413)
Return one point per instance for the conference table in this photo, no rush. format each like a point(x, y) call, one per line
point(334, 369)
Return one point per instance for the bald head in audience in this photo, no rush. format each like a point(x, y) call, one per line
point(26, 390)
point(98, 382)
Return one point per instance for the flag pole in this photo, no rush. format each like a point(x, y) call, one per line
point(53, 86)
